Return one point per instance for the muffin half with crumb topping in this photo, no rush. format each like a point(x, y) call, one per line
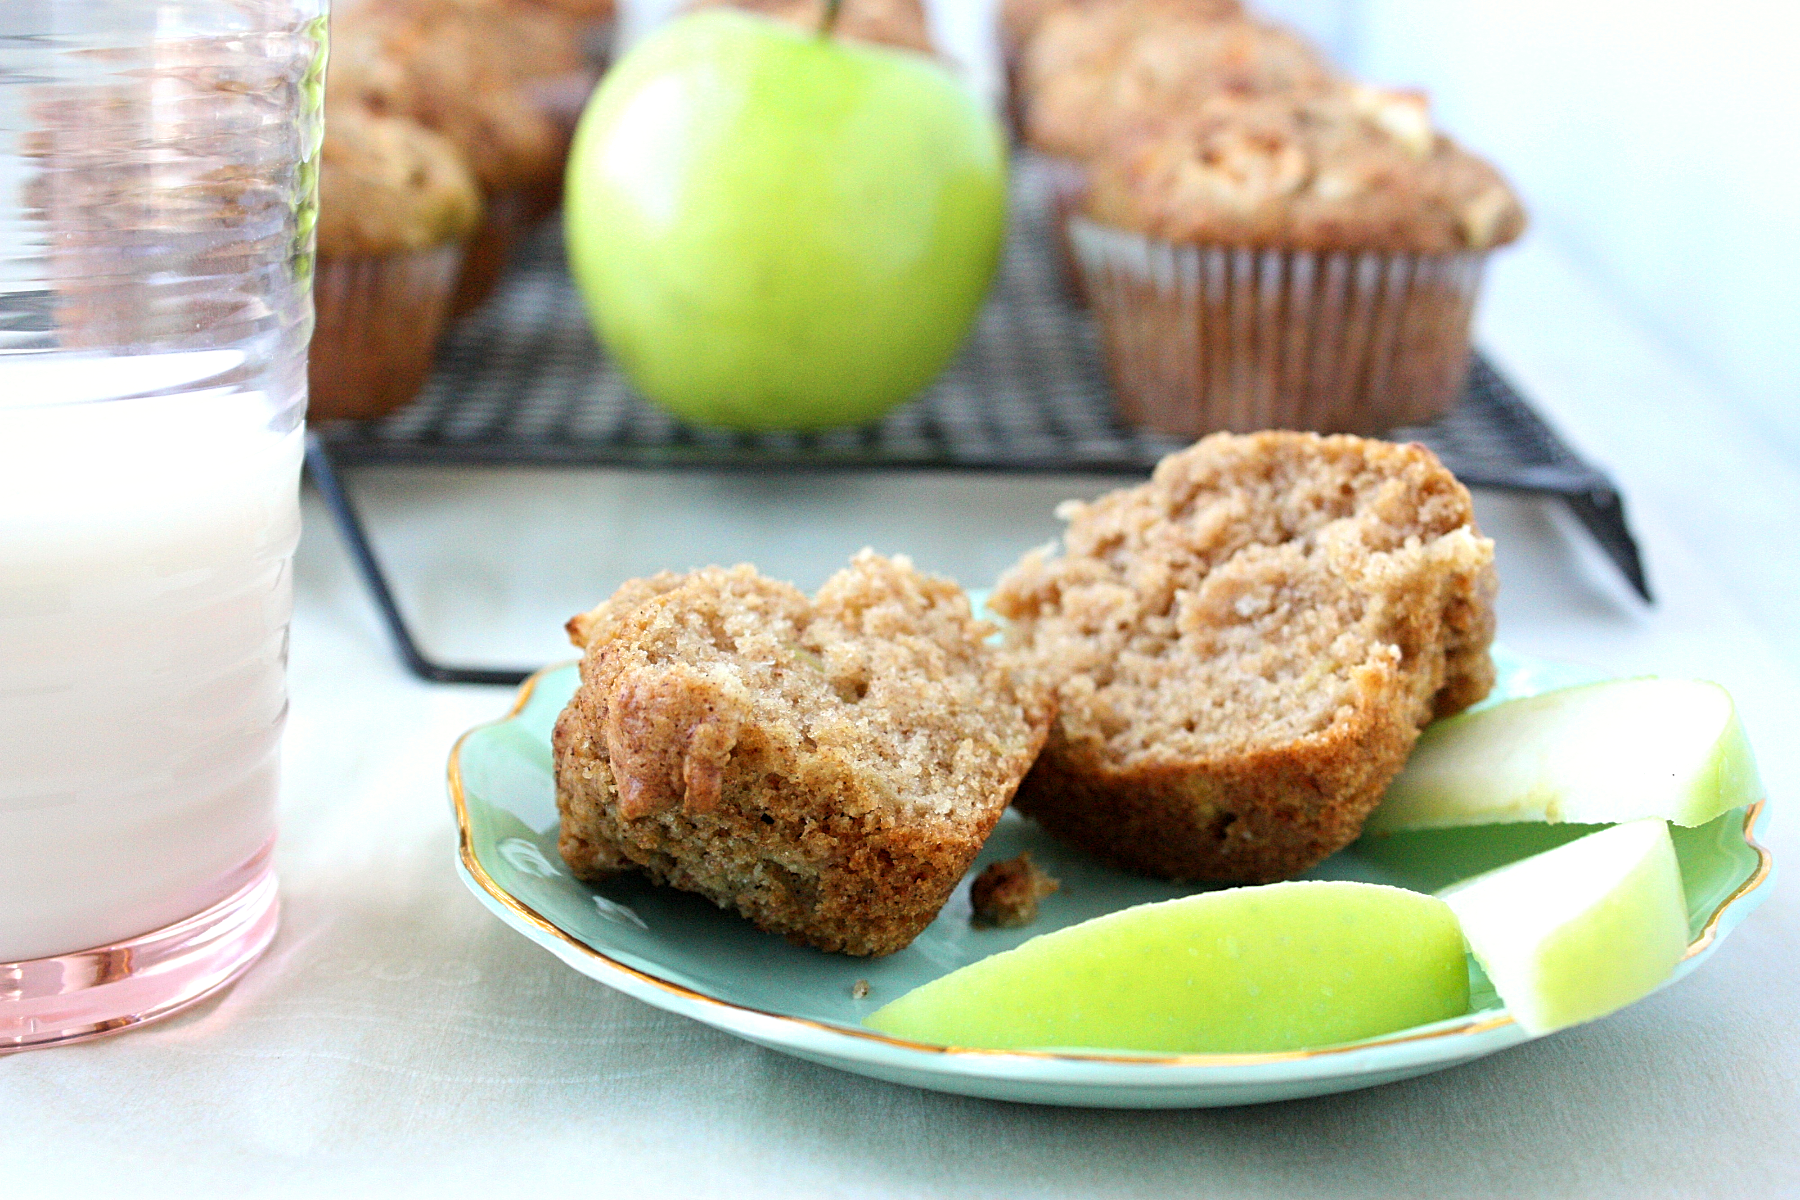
point(827, 766)
point(1245, 648)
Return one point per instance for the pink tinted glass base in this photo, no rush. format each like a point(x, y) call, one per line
point(72, 997)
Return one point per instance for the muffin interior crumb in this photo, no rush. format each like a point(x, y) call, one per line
point(1233, 602)
point(828, 767)
point(884, 673)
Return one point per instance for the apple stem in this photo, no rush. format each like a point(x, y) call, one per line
point(829, 20)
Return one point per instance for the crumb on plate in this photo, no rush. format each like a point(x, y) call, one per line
point(1006, 893)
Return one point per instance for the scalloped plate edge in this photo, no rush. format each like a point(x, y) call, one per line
point(1055, 1077)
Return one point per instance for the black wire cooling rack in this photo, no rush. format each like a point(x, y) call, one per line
point(522, 382)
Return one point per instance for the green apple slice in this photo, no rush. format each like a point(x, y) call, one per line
point(1580, 931)
point(1281, 967)
point(1600, 754)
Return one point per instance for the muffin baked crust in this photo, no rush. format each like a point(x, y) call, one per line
point(1092, 74)
point(1349, 167)
point(388, 185)
point(828, 767)
point(1021, 19)
point(452, 67)
point(1245, 648)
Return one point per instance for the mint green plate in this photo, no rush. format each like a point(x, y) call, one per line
point(678, 952)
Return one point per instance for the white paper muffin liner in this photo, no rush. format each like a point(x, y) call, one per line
point(1207, 338)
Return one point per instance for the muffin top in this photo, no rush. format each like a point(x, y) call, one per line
point(1021, 19)
point(442, 63)
point(517, 40)
point(1351, 168)
point(1093, 72)
point(898, 23)
point(388, 185)
point(589, 11)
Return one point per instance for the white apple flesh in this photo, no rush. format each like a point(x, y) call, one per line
point(1580, 931)
point(1598, 754)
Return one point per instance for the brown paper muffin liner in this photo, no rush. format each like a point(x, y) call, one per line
point(504, 220)
point(376, 329)
point(1207, 338)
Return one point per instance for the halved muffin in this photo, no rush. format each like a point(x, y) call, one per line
point(828, 767)
point(1245, 648)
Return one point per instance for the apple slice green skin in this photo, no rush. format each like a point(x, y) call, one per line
point(1580, 931)
point(1287, 966)
point(1598, 754)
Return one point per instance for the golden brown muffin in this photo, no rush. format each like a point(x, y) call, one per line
point(1092, 73)
point(1021, 19)
point(397, 204)
point(1350, 168)
point(1328, 246)
point(586, 11)
point(415, 61)
point(455, 66)
point(827, 767)
point(388, 185)
point(900, 23)
point(1245, 648)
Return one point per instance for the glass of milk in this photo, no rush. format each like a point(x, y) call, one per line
point(157, 171)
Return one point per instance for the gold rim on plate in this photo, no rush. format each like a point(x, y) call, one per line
point(1476, 1023)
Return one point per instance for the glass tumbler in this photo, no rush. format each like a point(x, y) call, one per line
point(158, 163)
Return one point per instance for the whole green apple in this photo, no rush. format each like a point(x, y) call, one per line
point(776, 230)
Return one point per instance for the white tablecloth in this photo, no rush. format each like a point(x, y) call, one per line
point(399, 1040)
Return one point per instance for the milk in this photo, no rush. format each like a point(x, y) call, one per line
point(145, 591)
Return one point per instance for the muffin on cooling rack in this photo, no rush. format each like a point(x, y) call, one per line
point(899, 23)
point(397, 204)
point(1020, 20)
point(1245, 648)
point(452, 66)
point(552, 50)
point(1092, 74)
point(828, 767)
point(1298, 261)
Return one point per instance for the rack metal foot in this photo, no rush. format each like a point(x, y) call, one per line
point(323, 473)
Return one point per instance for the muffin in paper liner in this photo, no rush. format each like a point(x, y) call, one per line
point(1203, 338)
point(377, 329)
point(501, 83)
point(397, 204)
